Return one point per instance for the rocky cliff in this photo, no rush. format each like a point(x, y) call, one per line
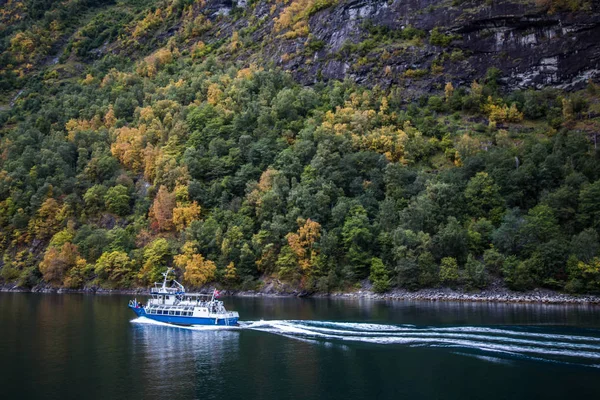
point(420, 44)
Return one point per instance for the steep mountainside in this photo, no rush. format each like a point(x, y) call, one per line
point(381, 42)
point(322, 143)
point(418, 45)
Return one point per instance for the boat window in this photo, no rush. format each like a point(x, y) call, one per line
point(171, 312)
point(177, 313)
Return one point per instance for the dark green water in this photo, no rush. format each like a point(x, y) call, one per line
point(87, 347)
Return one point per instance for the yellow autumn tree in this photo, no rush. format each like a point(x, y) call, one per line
point(214, 94)
point(128, 147)
point(264, 185)
point(303, 243)
point(57, 262)
point(235, 42)
point(184, 214)
point(231, 272)
point(47, 221)
point(448, 90)
point(197, 270)
point(185, 211)
point(109, 118)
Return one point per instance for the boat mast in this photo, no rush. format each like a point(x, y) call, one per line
point(164, 285)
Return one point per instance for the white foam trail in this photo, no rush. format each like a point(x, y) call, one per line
point(518, 343)
point(495, 360)
point(428, 334)
point(478, 345)
point(469, 329)
point(358, 326)
point(549, 347)
point(517, 333)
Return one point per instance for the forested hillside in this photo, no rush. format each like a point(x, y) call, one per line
point(137, 135)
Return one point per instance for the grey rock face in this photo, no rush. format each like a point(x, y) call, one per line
point(530, 46)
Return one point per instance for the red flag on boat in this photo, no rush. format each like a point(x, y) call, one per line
point(216, 293)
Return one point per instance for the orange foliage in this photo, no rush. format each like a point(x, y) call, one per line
point(264, 185)
point(184, 214)
point(362, 124)
point(501, 112)
point(89, 79)
point(214, 94)
point(152, 64)
point(57, 263)
point(109, 118)
point(296, 15)
point(128, 146)
point(73, 126)
point(161, 212)
point(303, 243)
point(151, 156)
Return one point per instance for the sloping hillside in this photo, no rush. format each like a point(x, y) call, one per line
point(321, 143)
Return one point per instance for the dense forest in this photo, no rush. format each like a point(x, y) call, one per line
point(125, 150)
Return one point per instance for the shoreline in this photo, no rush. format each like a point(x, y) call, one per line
point(494, 295)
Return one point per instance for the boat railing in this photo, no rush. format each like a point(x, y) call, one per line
point(167, 290)
point(134, 303)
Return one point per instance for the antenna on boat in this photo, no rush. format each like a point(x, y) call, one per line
point(164, 285)
point(166, 274)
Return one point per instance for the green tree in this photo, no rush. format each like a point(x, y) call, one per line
point(451, 241)
point(287, 265)
point(483, 197)
point(476, 274)
point(589, 206)
point(585, 246)
point(449, 273)
point(379, 276)
point(157, 256)
point(518, 274)
point(356, 236)
point(94, 199)
point(117, 200)
point(116, 268)
point(493, 261)
point(540, 226)
point(429, 270)
point(507, 237)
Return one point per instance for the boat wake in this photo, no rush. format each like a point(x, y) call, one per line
point(500, 345)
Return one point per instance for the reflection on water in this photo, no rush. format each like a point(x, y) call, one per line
point(93, 347)
point(178, 360)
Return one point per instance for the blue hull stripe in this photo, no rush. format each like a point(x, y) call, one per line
point(178, 320)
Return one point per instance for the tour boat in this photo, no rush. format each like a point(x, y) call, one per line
point(172, 305)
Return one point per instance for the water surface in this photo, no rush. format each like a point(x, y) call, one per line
point(84, 346)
